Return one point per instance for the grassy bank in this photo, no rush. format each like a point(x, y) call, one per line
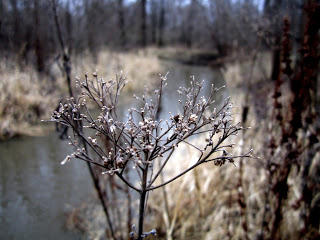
point(26, 96)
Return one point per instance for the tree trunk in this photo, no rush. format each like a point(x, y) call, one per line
point(68, 18)
point(271, 12)
point(143, 27)
point(161, 24)
point(38, 44)
point(154, 21)
point(123, 40)
point(1, 19)
point(190, 22)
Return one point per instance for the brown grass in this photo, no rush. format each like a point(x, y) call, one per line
point(204, 204)
point(23, 100)
point(26, 97)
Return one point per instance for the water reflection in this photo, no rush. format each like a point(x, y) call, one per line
point(36, 191)
point(179, 76)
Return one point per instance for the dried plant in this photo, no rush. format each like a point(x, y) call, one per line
point(294, 150)
point(140, 144)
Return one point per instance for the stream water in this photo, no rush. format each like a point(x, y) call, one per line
point(36, 192)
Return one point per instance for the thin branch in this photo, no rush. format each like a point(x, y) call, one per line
point(161, 168)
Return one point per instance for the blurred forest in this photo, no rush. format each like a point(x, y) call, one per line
point(28, 30)
point(51, 37)
point(267, 52)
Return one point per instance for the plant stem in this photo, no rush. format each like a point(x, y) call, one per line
point(97, 186)
point(143, 194)
point(141, 213)
point(101, 198)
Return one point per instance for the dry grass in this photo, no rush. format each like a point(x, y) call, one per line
point(23, 100)
point(27, 97)
point(255, 68)
point(141, 67)
point(204, 203)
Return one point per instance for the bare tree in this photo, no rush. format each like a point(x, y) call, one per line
point(272, 14)
point(69, 27)
point(16, 23)
point(154, 20)
point(143, 24)
point(190, 23)
point(161, 23)
point(123, 37)
point(38, 44)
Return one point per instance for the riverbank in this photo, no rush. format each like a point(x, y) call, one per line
point(26, 96)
